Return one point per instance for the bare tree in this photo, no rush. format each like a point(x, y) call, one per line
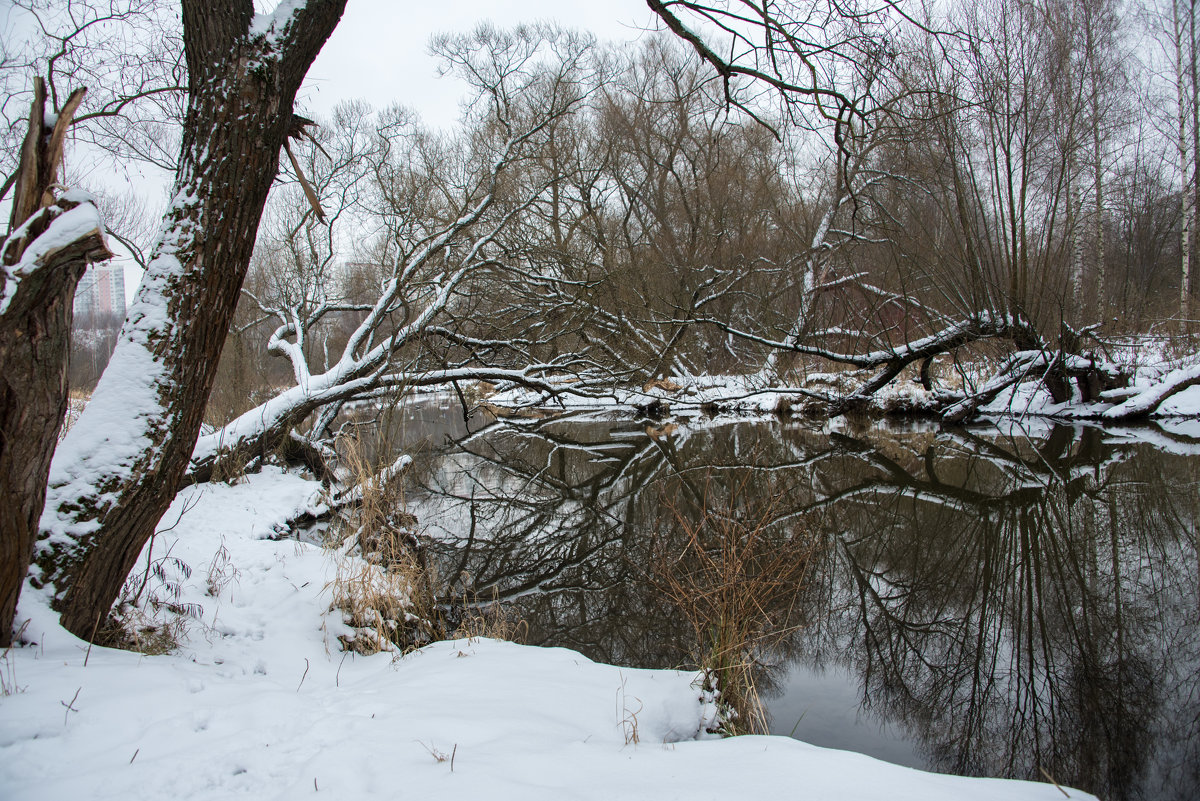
point(1188, 158)
point(445, 204)
point(135, 101)
point(1170, 27)
point(809, 54)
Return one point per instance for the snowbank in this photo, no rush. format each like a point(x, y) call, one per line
point(259, 703)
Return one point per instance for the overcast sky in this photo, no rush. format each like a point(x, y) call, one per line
point(380, 52)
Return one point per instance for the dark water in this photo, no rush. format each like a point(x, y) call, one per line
point(973, 601)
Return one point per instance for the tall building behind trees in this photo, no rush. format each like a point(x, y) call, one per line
point(100, 296)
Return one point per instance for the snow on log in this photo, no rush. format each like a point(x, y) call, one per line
point(1149, 399)
point(1014, 370)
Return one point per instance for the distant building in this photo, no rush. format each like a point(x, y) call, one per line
point(100, 296)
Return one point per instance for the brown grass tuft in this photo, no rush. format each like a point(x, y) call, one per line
point(490, 619)
point(733, 567)
point(382, 585)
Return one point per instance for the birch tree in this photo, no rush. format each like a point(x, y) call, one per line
point(1183, 51)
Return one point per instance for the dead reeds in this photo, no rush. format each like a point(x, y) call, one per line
point(382, 585)
point(733, 565)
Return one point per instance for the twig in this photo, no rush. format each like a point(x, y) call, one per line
point(71, 706)
point(1050, 779)
point(452, 753)
point(135, 753)
point(301, 684)
point(337, 679)
point(88, 655)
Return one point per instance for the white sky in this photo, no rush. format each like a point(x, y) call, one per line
point(379, 51)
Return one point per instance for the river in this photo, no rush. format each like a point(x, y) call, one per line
point(1017, 602)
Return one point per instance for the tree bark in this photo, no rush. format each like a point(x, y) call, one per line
point(35, 332)
point(42, 260)
point(1185, 290)
point(117, 470)
point(1181, 144)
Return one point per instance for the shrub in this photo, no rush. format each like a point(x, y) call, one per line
point(734, 568)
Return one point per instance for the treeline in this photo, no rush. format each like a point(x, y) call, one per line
point(1017, 160)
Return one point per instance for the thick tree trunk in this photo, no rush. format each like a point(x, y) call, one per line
point(41, 262)
point(35, 331)
point(116, 472)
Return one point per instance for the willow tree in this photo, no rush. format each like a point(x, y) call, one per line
point(117, 471)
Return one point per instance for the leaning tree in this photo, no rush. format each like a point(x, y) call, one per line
point(117, 470)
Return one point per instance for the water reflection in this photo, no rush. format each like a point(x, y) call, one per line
point(992, 604)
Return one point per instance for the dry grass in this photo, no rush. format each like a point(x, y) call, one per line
point(76, 400)
point(381, 585)
point(628, 716)
point(150, 616)
point(734, 570)
point(221, 572)
point(8, 666)
point(490, 619)
point(135, 629)
point(384, 587)
point(383, 605)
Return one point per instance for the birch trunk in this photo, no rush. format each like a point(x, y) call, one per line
point(1185, 288)
point(1185, 283)
point(808, 287)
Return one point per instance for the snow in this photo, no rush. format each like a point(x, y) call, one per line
point(1150, 397)
point(683, 394)
point(275, 24)
point(258, 701)
point(68, 227)
point(102, 440)
point(1160, 388)
point(111, 434)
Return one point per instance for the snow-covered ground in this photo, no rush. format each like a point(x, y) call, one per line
point(259, 702)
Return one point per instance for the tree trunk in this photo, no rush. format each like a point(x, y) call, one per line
point(1185, 282)
point(43, 259)
point(116, 472)
point(1186, 289)
point(35, 332)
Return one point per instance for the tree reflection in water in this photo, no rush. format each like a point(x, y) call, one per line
point(1010, 603)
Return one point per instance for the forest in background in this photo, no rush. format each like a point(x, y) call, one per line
point(1031, 161)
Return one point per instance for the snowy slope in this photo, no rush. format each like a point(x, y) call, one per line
point(260, 703)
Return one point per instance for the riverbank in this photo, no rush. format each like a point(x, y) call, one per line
point(256, 700)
